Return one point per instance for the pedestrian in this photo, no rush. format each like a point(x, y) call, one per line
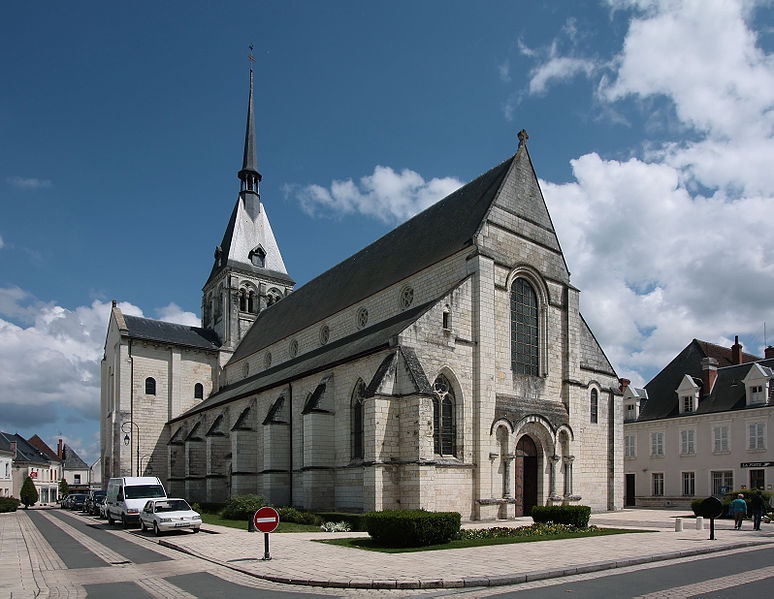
point(738, 508)
point(757, 505)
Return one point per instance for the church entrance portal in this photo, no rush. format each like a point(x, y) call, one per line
point(526, 463)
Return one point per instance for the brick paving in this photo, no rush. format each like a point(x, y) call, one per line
point(30, 568)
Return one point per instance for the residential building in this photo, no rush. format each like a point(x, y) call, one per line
point(706, 427)
point(31, 461)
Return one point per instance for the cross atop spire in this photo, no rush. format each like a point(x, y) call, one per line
point(249, 174)
point(523, 137)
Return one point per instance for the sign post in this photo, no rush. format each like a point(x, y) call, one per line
point(711, 508)
point(266, 520)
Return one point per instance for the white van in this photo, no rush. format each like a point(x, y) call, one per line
point(127, 495)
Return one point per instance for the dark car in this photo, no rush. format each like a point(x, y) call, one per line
point(77, 500)
point(65, 502)
point(92, 503)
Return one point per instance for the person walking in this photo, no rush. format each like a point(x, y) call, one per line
point(757, 505)
point(738, 508)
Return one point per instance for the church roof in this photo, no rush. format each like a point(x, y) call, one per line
point(662, 389)
point(432, 235)
point(367, 341)
point(168, 332)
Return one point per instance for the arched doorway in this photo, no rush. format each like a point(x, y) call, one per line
point(526, 475)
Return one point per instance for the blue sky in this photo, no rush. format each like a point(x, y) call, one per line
point(651, 128)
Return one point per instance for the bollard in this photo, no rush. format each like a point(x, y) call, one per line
point(699, 523)
point(678, 524)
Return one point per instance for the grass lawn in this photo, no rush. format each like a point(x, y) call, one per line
point(283, 526)
point(369, 544)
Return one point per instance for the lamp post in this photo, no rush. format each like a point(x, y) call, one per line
point(128, 440)
point(146, 458)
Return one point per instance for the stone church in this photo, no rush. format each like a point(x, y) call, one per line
point(446, 366)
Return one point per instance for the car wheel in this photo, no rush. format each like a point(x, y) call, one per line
point(142, 525)
point(110, 520)
point(124, 523)
point(197, 529)
point(156, 530)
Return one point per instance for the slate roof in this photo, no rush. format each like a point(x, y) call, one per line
point(407, 249)
point(167, 332)
point(662, 397)
point(364, 342)
point(26, 451)
point(71, 460)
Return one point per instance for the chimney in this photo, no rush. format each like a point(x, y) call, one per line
point(59, 449)
point(736, 351)
point(709, 372)
point(13, 449)
point(624, 383)
point(768, 352)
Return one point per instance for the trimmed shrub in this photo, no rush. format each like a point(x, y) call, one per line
point(574, 515)
point(242, 507)
point(28, 494)
point(695, 504)
point(412, 528)
point(8, 504)
point(291, 514)
point(335, 527)
point(355, 521)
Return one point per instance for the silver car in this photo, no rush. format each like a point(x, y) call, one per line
point(169, 514)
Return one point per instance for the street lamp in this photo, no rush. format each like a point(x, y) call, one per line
point(127, 441)
point(146, 458)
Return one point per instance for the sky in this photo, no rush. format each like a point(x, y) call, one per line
point(651, 128)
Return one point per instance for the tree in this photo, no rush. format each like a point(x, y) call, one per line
point(64, 488)
point(28, 493)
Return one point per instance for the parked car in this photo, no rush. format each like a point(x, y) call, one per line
point(76, 501)
point(127, 495)
point(64, 503)
point(169, 514)
point(103, 508)
point(91, 503)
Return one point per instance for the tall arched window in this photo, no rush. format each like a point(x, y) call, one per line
point(198, 391)
point(242, 300)
point(357, 420)
point(150, 386)
point(524, 328)
point(251, 302)
point(444, 426)
point(594, 406)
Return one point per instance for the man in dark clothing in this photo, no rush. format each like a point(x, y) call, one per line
point(757, 505)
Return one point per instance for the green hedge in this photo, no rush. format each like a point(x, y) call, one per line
point(356, 521)
point(8, 504)
point(412, 528)
point(242, 507)
point(574, 515)
point(291, 514)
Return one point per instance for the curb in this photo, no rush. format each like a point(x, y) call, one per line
point(469, 582)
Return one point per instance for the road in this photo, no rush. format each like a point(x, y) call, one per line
point(81, 556)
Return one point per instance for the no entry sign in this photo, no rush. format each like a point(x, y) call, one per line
point(266, 519)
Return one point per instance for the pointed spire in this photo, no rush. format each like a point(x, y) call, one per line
point(523, 137)
point(249, 174)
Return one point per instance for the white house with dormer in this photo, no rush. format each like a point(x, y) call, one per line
point(706, 428)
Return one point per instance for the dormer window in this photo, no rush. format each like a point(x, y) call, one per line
point(688, 395)
point(258, 257)
point(757, 384)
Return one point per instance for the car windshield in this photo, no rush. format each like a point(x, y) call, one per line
point(175, 505)
point(140, 491)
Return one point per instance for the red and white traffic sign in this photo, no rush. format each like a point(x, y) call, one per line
point(266, 519)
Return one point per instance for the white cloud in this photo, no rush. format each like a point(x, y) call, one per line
point(674, 245)
point(386, 195)
point(174, 313)
point(29, 183)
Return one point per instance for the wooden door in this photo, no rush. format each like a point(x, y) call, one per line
point(526, 478)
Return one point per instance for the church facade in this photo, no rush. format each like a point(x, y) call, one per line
point(446, 366)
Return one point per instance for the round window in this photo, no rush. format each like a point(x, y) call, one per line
point(293, 350)
point(325, 334)
point(362, 318)
point(406, 297)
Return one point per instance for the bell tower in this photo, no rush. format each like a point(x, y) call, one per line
point(248, 273)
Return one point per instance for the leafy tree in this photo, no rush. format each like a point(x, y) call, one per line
point(28, 493)
point(64, 488)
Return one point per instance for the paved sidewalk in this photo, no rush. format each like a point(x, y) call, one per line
point(297, 559)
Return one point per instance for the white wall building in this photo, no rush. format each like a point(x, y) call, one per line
point(706, 427)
